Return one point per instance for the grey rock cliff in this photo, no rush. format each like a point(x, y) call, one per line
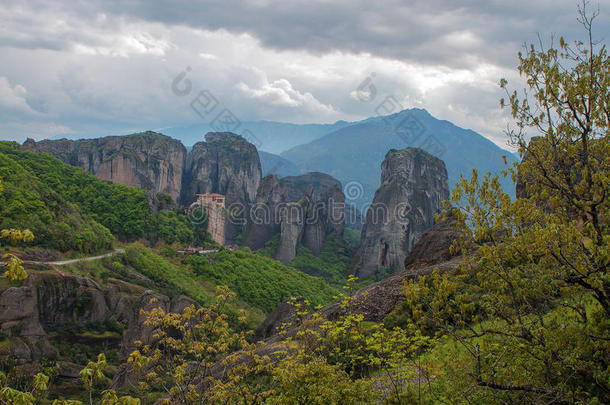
point(34, 315)
point(48, 300)
point(301, 209)
point(413, 186)
point(225, 164)
point(147, 160)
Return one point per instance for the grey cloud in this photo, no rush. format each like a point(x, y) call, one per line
point(100, 67)
point(414, 31)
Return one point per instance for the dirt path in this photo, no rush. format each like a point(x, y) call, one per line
point(80, 259)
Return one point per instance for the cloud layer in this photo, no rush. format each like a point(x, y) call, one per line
point(102, 67)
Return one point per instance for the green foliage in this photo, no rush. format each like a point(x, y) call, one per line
point(316, 382)
point(121, 209)
point(358, 347)
point(210, 364)
point(352, 236)
point(198, 336)
point(457, 292)
point(8, 395)
point(199, 225)
point(171, 227)
point(170, 278)
point(93, 373)
point(174, 278)
point(14, 268)
point(258, 280)
point(56, 223)
point(331, 264)
point(270, 247)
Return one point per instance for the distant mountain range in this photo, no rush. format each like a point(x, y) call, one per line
point(274, 164)
point(353, 153)
point(269, 136)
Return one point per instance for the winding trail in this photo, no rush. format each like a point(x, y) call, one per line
point(84, 259)
point(80, 259)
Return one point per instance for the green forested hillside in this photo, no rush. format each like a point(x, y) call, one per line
point(331, 264)
point(258, 280)
point(261, 283)
point(56, 189)
point(28, 202)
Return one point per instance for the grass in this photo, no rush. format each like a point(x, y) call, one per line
point(100, 335)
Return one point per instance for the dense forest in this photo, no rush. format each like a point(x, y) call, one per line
point(80, 212)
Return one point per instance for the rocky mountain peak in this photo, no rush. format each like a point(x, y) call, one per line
point(413, 186)
point(301, 209)
point(224, 138)
point(226, 164)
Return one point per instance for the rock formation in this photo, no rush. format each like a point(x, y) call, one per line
point(353, 217)
point(434, 245)
point(225, 164)
point(38, 314)
point(146, 160)
point(301, 209)
point(413, 186)
point(283, 316)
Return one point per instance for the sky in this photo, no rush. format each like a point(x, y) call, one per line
point(76, 68)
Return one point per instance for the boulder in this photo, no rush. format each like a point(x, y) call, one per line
point(285, 314)
point(434, 245)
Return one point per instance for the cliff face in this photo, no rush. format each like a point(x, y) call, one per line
point(147, 160)
point(226, 164)
point(301, 209)
point(413, 186)
point(34, 315)
point(353, 217)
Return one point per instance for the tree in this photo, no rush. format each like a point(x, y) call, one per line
point(194, 358)
point(93, 373)
point(537, 267)
point(185, 347)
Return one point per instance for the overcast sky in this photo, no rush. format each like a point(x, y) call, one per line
point(107, 67)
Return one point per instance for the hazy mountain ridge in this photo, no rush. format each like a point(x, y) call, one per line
point(269, 136)
point(275, 164)
point(354, 153)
